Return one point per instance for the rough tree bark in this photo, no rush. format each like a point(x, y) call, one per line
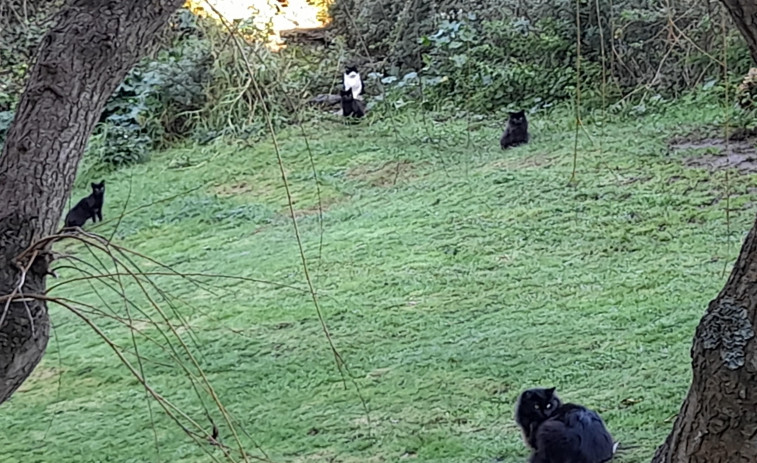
point(81, 61)
point(717, 422)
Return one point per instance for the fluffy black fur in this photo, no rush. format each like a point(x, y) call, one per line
point(533, 408)
point(90, 207)
point(516, 132)
point(351, 106)
point(569, 433)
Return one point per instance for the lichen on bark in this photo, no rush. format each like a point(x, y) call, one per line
point(727, 326)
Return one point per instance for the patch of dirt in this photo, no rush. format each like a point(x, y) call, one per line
point(234, 189)
point(326, 204)
point(40, 374)
point(43, 373)
point(738, 153)
point(384, 175)
point(530, 162)
point(257, 186)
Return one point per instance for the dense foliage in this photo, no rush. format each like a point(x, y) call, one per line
point(21, 27)
point(491, 54)
point(199, 83)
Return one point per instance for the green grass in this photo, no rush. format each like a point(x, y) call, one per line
point(474, 275)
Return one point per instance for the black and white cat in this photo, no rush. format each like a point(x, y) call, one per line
point(89, 207)
point(352, 81)
point(562, 433)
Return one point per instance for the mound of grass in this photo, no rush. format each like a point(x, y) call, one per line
point(452, 275)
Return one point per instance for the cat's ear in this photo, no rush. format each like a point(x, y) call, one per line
point(93, 185)
point(550, 391)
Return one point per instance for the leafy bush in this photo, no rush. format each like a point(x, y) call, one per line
point(22, 24)
point(198, 86)
point(119, 144)
point(515, 51)
point(151, 107)
point(501, 70)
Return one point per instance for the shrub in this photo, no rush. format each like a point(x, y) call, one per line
point(525, 50)
point(500, 71)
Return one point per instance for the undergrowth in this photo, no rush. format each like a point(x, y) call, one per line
point(200, 83)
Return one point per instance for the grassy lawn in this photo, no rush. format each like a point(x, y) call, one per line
point(451, 274)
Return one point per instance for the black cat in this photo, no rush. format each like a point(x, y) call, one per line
point(351, 106)
point(562, 433)
point(533, 408)
point(516, 132)
point(90, 207)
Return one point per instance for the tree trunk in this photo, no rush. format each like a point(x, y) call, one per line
point(717, 422)
point(81, 61)
point(744, 14)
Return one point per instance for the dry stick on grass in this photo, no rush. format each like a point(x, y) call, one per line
point(188, 274)
point(132, 336)
point(340, 363)
point(130, 323)
point(186, 350)
point(335, 352)
point(232, 33)
point(59, 381)
point(123, 210)
point(99, 243)
point(190, 355)
point(308, 149)
point(173, 411)
point(577, 102)
point(603, 56)
point(123, 251)
point(171, 352)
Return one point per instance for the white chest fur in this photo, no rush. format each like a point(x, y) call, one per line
point(353, 82)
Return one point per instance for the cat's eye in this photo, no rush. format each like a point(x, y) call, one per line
point(536, 406)
point(549, 406)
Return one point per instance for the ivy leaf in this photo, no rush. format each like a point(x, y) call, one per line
point(459, 60)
